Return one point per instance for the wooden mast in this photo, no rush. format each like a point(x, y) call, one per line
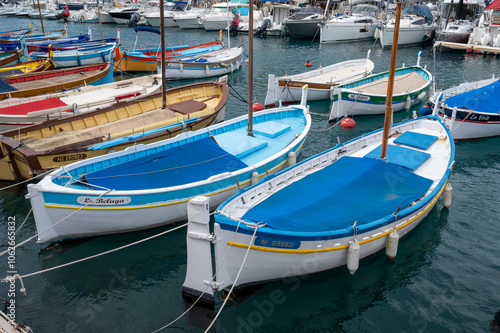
point(100, 23)
point(163, 78)
point(40, 12)
point(250, 68)
point(390, 85)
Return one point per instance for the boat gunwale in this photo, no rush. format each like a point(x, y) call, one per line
point(230, 224)
point(50, 186)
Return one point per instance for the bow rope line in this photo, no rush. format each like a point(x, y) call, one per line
point(52, 226)
point(235, 280)
point(25, 181)
point(211, 281)
point(20, 277)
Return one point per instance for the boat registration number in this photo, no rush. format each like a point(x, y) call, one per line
point(281, 244)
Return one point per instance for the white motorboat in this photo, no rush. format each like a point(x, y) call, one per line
point(359, 24)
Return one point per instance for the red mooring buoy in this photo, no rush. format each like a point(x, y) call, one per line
point(258, 107)
point(308, 63)
point(36, 29)
point(348, 123)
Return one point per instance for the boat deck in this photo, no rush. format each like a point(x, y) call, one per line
point(402, 83)
point(335, 75)
point(49, 81)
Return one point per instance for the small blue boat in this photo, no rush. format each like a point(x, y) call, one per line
point(149, 185)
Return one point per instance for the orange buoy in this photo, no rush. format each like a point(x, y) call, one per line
point(36, 29)
point(258, 107)
point(348, 123)
point(308, 64)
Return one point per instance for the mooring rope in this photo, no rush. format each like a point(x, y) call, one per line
point(208, 284)
point(52, 226)
point(25, 181)
point(9, 278)
point(235, 281)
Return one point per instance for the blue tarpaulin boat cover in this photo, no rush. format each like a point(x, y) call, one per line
point(483, 99)
point(184, 164)
point(5, 87)
point(351, 189)
point(421, 10)
point(148, 29)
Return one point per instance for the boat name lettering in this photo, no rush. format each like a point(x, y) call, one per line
point(20, 159)
point(104, 201)
point(359, 97)
point(269, 242)
point(480, 117)
point(67, 158)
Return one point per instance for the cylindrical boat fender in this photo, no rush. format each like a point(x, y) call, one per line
point(408, 102)
point(377, 33)
point(292, 158)
point(181, 67)
point(421, 95)
point(353, 256)
point(391, 248)
point(255, 177)
point(447, 194)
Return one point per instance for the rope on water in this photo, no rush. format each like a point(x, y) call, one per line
point(236, 95)
point(212, 280)
point(15, 234)
point(52, 226)
point(10, 278)
point(25, 181)
point(235, 280)
point(329, 128)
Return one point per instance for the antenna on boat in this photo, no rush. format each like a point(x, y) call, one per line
point(390, 85)
point(250, 68)
point(163, 78)
point(40, 13)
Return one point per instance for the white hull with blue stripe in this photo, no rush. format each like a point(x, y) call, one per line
point(368, 96)
point(304, 219)
point(80, 57)
point(149, 185)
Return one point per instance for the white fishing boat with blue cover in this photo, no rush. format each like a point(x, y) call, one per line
point(327, 211)
point(149, 185)
point(367, 96)
point(310, 217)
point(470, 110)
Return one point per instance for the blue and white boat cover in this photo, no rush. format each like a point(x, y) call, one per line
point(349, 190)
point(179, 165)
point(484, 99)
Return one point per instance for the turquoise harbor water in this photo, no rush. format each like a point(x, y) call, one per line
point(445, 278)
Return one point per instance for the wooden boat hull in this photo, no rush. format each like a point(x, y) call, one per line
point(367, 96)
point(287, 89)
point(277, 253)
point(20, 112)
point(77, 133)
point(57, 80)
point(11, 57)
point(123, 208)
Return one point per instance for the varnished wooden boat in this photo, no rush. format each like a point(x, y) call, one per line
point(11, 57)
point(20, 112)
point(26, 85)
point(31, 150)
